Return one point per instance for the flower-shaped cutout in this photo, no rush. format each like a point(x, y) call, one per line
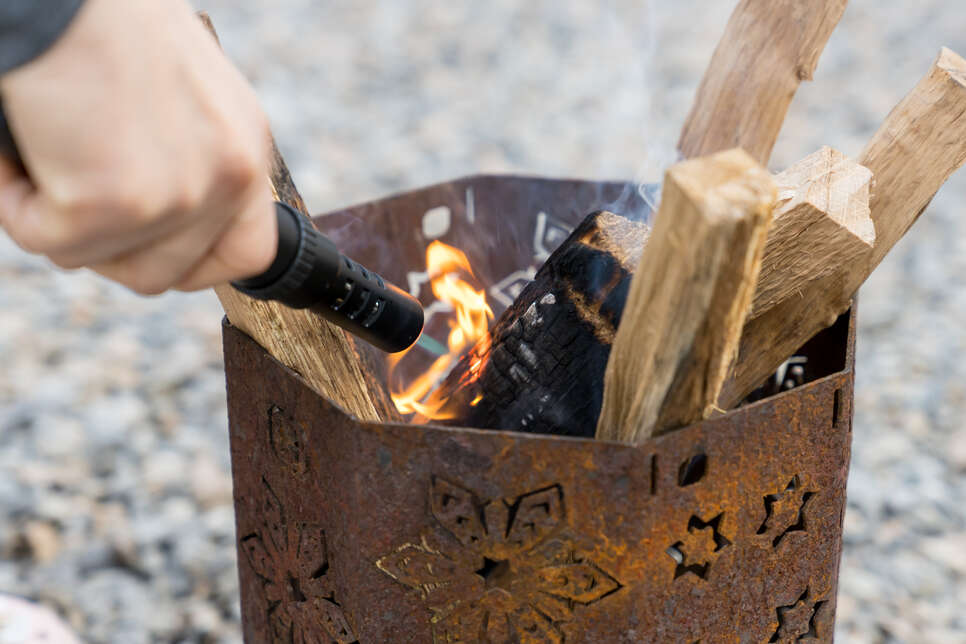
point(510, 573)
point(796, 622)
point(292, 563)
point(699, 547)
point(785, 511)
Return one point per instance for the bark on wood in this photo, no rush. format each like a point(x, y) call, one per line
point(540, 369)
point(321, 353)
point(816, 257)
point(920, 144)
point(769, 47)
point(689, 298)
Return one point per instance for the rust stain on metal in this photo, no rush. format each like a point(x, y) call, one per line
point(729, 530)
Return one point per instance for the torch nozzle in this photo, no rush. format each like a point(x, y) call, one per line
point(309, 272)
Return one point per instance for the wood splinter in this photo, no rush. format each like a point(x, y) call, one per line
point(689, 297)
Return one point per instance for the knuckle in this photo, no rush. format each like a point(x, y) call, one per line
point(240, 167)
point(102, 203)
point(66, 262)
point(129, 203)
point(29, 241)
point(185, 201)
point(40, 237)
point(146, 284)
point(138, 274)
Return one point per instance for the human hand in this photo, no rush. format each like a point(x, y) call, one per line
point(147, 152)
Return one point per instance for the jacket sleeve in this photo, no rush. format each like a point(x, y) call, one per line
point(29, 27)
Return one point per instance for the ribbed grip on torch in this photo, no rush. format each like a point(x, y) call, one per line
point(309, 272)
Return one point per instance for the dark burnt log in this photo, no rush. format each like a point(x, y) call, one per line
point(540, 370)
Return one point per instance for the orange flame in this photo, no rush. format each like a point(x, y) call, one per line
point(470, 322)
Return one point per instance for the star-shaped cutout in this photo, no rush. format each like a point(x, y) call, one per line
point(785, 511)
point(796, 622)
point(695, 552)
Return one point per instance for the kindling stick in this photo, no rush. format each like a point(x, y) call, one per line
point(689, 297)
point(769, 47)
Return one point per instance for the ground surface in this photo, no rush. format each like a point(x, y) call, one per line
point(115, 495)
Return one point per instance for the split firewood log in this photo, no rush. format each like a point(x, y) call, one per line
point(921, 143)
point(325, 356)
point(917, 148)
point(769, 47)
point(689, 297)
point(815, 259)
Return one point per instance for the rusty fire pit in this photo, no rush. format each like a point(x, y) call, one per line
point(729, 530)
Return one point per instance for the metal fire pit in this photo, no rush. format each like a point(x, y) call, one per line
point(729, 530)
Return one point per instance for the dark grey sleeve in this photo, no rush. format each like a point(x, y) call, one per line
point(29, 27)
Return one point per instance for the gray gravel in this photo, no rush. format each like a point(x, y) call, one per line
point(115, 504)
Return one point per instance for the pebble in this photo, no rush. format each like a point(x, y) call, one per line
point(113, 426)
point(39, 542)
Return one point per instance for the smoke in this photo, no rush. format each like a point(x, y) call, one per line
point(644, 109)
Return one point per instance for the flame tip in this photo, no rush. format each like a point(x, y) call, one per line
point(468, 325)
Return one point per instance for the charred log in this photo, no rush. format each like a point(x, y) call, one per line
point(541, 369)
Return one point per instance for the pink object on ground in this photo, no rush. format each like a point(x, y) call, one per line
point(23, 622)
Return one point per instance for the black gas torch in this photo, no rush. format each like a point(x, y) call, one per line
point(309, 272)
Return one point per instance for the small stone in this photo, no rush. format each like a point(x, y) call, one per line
point(204, 617)
point(164, 469)
point(948, 551)
point(210, 484)
point(57, 435)
point(38, 541)
point(957, 450)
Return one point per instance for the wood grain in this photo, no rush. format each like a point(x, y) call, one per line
point(815, 259)
point(689, 297)
point(920, 144)
point(320, 352)
point(769, 47)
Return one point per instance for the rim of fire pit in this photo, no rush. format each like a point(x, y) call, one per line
point(799, 390)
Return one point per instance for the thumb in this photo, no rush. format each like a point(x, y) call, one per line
point(246, 248)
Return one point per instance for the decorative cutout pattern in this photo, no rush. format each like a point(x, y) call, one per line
point(692, 470)
point(436, 222)
point(284, 437)
point(796, 622)
point(548, 234)
point(509, 288)
point(699, 548)
point(292, 563)
point(517, 576)
point(785, 511)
